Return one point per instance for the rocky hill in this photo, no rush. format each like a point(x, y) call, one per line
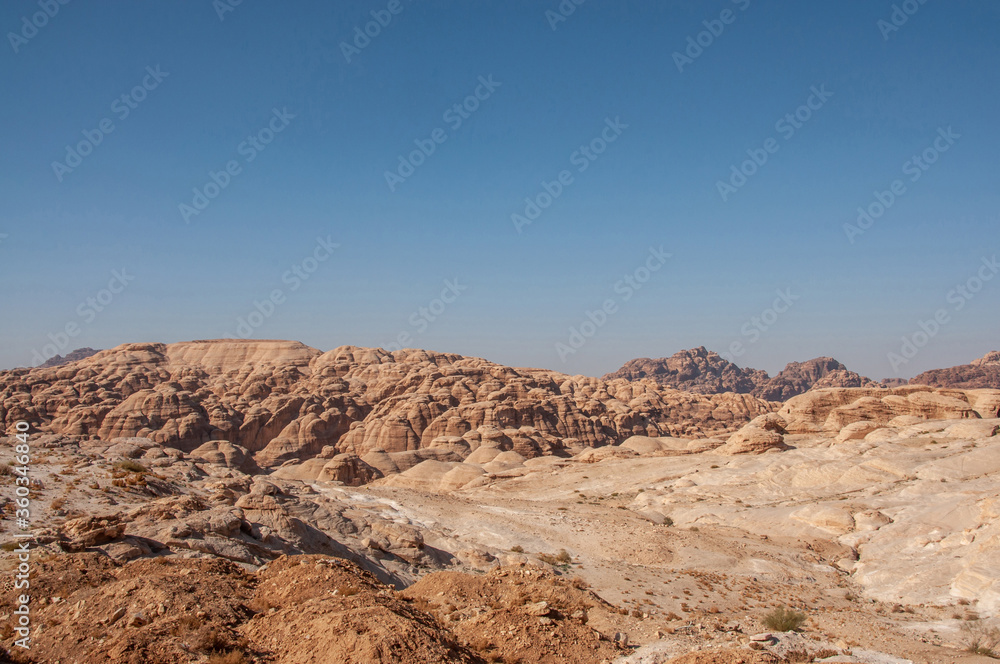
point(984, 372)
point(706, 372)
point(697, 370)
point(282, 401)
point(874, 512)
point(799, 377)
point(72, 356)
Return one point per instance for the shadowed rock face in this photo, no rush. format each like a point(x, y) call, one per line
point(283, 401)
point(706, 372)
point(73, 356)
point(984, 372)
point(697, 370)
point(799, 377)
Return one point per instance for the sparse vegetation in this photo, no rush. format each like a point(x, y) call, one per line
point(981, 639)
point(802, 656)
point(517, 548)
point(667, 521)
point(185, 624)
point(233, 657)
point(131, 466)
point(784, 620)
point(560, 559)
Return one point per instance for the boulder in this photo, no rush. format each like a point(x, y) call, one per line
point(752, 439)
point(220, 452)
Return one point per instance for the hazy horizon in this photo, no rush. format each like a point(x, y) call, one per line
point(506, 179)
point(771, 371)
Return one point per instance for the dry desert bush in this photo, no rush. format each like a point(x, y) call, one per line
point(784, 620)
point(981, 639)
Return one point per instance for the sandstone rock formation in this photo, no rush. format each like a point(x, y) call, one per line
point(762, 434)
point(799, 377)
point(984, 372)
point(282, 402)
point(883, 530)
point(697, 370)
point(833, 409)
point(705, 372)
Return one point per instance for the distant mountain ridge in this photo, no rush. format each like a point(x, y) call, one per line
point(984, 372)
point(72, 356)
point(706, 372)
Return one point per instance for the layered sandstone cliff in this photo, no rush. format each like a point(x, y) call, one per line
point(284, 401)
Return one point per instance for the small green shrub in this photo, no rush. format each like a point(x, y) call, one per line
point(517, 548)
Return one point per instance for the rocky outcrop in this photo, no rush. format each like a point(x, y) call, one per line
point(282, 402)
point(981, 373)
point(836, 408)
point(762, 434)
point(697, 370)
point(72, 356)
point(220, 452)
point(799, 377)
point(704, 372)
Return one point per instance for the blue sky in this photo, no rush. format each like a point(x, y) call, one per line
point(344, 124)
